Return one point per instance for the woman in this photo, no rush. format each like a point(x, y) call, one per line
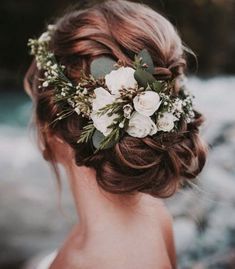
point(111, 107)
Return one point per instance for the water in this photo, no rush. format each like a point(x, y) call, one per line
point(204, 221)
point(15, 109)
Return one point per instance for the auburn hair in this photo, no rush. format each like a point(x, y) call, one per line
point(120, 29)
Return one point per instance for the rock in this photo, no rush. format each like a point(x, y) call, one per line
point(185, 232)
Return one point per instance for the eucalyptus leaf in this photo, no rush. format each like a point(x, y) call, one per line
point(147, 59)
point(157, 86)
point(102, 66)
point(98, 138)
point(144, 78)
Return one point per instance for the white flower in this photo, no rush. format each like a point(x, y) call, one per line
point(45, 84)
point(141, 126)
point(166, 122)
point(51, 27)
point(147, 103)
point(45, 37)
point(101, 122)
point(121, 124)
point(102, 98)
point(127, 109)
point(39, 65)
point(178, 105)
point(85, 91)
point(77, 110)
point(120, 78)
point(54, 67)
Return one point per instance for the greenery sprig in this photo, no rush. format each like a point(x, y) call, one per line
point(129, 99)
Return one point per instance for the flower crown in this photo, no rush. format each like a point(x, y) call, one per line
point(116, 99)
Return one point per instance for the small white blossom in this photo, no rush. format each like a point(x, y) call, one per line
point(71, 102)
point(166, 122)
point(121, 124)
point(39, 65)
point(54, 67)
point(178, 105)
point(127, 109)
point(191, 114)
point(45, 84)
point(45, 37)
point(85, 91)
point(51, 27)
point(147, 103)
point(119, 79)
point(77, 110)
point(141, 126)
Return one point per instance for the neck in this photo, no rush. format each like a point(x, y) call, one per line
point(96, 208)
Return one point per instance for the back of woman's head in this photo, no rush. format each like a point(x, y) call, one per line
point(120, 29)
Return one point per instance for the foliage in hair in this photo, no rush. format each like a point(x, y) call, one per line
point(114, 98)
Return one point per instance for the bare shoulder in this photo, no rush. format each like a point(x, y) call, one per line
point(131, 250)
point(164, 224)
point(158, 211)
point(159, 217)
point(145, 242)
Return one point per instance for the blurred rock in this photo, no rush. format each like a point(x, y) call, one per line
point(185, 232)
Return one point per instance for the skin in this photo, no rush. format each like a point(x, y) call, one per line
point(113, 231)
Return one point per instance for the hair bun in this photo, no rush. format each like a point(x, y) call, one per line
point(163, 73)
point(154, 165)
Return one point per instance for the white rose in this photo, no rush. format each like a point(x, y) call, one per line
point(102, 98)
point(147, 103)
point(101, 122)
point(120, 78)
point(166, 122)
point(141, 126)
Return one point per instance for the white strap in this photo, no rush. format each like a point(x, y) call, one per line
point(47, 261)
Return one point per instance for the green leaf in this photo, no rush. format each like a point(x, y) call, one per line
point(98, 138)
point(147, 59)
point(144, 78)
point(86, 134)
point(157, 86)
point(102, 66)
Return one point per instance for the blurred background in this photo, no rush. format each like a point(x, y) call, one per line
point(204, 218)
